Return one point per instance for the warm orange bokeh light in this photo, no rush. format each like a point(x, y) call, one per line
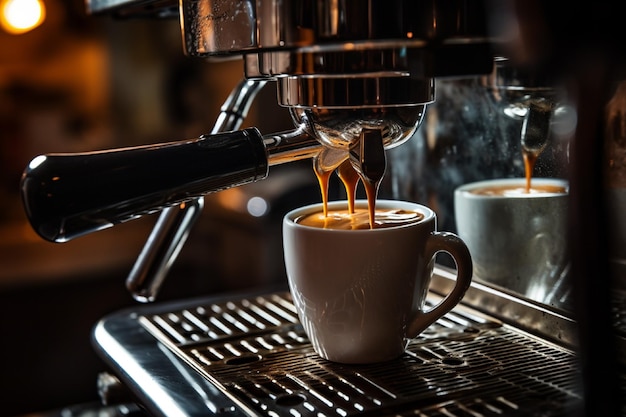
point(20, 16)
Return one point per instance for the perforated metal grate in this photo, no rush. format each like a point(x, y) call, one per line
point(255, 351)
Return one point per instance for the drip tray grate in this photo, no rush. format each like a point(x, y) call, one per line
point(466, 364)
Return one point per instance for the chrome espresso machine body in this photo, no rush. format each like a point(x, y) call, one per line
point(347, 71)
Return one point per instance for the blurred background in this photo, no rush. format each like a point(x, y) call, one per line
point(71, 82)
point(75, 83)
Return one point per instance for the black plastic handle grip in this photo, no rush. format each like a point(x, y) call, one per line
point(69, 195)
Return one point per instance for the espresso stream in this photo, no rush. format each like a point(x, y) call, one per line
point(350, 179)
point(352, 218)
point(530, 158)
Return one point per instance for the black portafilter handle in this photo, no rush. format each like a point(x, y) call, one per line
point(69, 195)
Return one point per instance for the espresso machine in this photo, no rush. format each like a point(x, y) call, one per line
point(349, 70)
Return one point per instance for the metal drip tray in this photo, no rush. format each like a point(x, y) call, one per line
point(258, 354)
point(250, 356)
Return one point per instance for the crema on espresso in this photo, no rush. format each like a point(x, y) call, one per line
point(519, 190)
point(360, 219)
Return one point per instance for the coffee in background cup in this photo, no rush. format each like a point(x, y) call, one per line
point(517, 237)
point(360, 292)
point(519, 190)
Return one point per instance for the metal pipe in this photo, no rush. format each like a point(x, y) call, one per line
point(174, 223)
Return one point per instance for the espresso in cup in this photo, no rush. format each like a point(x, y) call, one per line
point(344, 219)
point(359, 271)
point(360, 292)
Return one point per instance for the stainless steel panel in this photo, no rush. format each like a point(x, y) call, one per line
point(248, 355)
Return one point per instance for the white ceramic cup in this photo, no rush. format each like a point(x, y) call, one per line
point(518, 241)
point(360, 294)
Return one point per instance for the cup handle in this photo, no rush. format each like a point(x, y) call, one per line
point(453, 245)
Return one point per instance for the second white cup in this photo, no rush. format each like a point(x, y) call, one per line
point(517, 240)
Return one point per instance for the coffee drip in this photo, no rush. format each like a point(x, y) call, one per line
point(535, 134)
point(350, 180)
point(365, 161)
